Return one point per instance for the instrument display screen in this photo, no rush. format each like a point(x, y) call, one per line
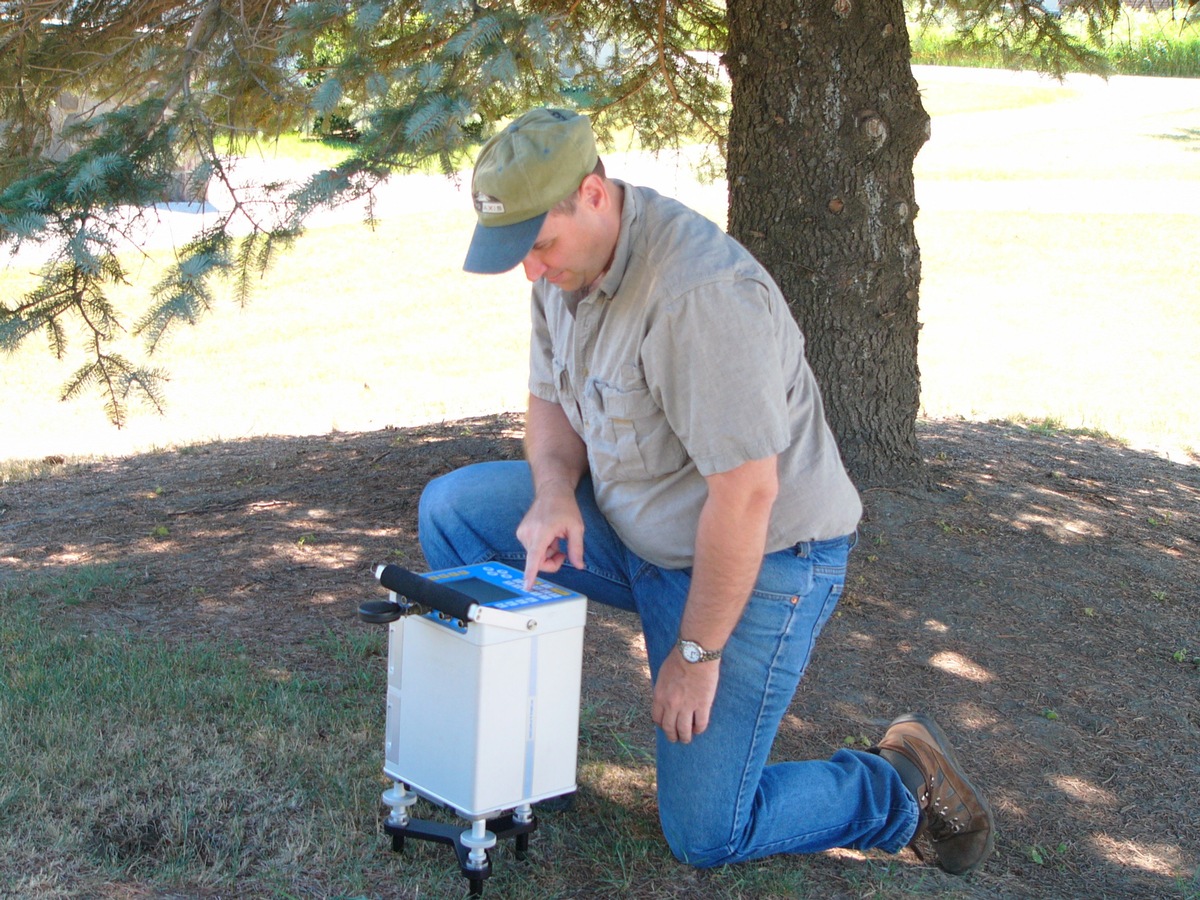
point(481, 591)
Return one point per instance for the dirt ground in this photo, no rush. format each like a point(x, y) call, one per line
point(1042, 602)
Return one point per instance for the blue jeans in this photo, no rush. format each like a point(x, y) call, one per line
point(719, 801)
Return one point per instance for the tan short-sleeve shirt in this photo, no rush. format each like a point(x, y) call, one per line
point(684, 361)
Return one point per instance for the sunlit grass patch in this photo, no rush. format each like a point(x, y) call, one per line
point(1075, 318)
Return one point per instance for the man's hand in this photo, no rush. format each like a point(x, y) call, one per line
point(557, 460)
point(683, 696)
point(553, 517)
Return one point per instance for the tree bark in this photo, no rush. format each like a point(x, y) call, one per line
point(826, 123)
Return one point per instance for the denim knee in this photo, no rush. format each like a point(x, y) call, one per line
point(436, 497)
point(696, 858)
point(471, 514)
point(695, 839)
point(467, 494)
point(436, 506)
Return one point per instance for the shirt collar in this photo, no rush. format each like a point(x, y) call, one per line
point(611, 280)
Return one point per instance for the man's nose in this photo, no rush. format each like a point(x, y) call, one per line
point(534, 267)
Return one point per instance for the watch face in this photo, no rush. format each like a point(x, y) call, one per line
point(691, 652)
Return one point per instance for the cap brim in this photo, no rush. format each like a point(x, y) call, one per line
point(498, 248)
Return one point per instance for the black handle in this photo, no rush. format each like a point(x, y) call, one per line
point(417, 589)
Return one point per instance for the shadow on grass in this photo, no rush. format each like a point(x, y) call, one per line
point(1041, 603)
point(1184, 136)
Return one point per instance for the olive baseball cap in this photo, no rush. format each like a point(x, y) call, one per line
point(520, 175)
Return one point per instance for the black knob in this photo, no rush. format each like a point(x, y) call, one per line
point(380, 612)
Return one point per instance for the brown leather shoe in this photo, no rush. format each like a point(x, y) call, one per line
point(956, 816)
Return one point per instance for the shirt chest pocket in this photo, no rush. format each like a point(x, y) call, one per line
point(631, 439)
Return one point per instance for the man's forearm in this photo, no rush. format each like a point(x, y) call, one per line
point(556, 454)
point(730, 542)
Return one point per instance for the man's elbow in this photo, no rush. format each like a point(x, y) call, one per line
point(753, 485)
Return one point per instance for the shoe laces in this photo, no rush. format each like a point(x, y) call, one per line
point(941, 820)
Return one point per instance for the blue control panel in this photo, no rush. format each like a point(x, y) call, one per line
point(499, 586)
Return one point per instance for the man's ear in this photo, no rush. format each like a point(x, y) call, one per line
point(593, 193)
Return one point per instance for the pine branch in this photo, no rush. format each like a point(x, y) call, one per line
point(116, 379)
point(183, 294)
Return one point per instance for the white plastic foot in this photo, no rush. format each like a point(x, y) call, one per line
point(478, 840)
point(399, 798)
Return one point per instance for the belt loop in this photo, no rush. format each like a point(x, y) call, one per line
point(804, 549)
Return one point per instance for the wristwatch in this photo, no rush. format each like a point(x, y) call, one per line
point(694, 653)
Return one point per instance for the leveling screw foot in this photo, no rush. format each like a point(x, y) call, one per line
point(472, 846)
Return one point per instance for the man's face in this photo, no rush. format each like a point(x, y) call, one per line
point(571, 249)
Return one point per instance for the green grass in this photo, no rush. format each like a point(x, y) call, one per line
point(1140, 43)
point(127, 758)
point(315, 151)
point(87, 584)
point(1050, 425)
point(1164, 55)
point(1143, 43)
point(950, 99)
point(295, 147)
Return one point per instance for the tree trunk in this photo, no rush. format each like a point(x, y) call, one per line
point(827, 121)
